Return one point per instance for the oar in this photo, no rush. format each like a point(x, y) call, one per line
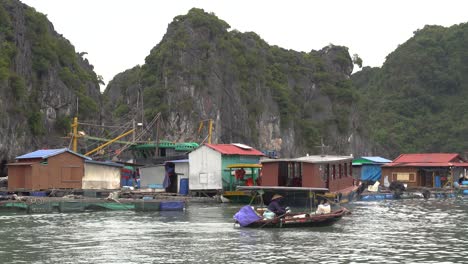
point(271, 220)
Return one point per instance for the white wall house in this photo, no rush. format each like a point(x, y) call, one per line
point(101, 175)
point(205, 169)
point(209, 163)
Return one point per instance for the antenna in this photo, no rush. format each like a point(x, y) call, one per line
point(322, 147)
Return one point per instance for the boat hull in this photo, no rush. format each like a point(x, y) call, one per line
point(307, 221)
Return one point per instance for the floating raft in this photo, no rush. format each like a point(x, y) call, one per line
point(41, 206)
point(406, 195)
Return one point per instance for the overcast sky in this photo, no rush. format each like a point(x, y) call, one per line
point(119, 34)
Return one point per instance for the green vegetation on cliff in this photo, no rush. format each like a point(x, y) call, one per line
point(52, 51)
point(41, 78)
point(201, 60)
point(417, 101)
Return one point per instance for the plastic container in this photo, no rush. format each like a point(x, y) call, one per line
point(172, 206)
point(438, 182)
point(183, 187)
point(38, 194)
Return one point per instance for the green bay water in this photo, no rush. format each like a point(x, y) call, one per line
point(408, 231)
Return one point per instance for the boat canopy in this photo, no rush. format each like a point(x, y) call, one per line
point(243, 165)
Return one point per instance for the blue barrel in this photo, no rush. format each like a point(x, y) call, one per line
point(365, 198)
point(183, 186)
point(465, 192)
point(38, 194)
point(464, 182)
point(438, 183)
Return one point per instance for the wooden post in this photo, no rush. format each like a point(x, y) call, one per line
point(133, 127)
point(209, 131)
point(156, 154)
point(75, 134)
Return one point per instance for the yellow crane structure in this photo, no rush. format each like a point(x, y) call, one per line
point(110, 142)
point(76, 136)
point(210, 128)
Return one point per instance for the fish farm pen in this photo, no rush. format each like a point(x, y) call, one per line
point(64, 205)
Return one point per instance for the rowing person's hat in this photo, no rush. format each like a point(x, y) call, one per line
point(276, 196)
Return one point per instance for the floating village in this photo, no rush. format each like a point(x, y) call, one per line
point(166, 176)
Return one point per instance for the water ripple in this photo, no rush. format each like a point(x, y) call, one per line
point(411, 231)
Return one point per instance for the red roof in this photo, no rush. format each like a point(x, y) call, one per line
point(427, 164)
point(428, 158)
point(235, 149)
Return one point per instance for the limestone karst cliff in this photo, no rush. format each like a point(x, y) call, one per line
point(42, 78)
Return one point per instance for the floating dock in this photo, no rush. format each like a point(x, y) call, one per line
point(41, 205)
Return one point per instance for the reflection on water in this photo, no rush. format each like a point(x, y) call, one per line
point(412, 231)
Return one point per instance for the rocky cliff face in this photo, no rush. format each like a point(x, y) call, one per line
point(41, 80)
point(265, 96)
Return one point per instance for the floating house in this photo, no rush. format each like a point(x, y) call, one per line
point(324, 171)
point(433, 170)
point(211, 167)
point(61, 169)
point(99, 175)
point(176, 171)
point(368, 168)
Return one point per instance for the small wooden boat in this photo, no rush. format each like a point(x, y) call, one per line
point(250, 216)
point(301, 220)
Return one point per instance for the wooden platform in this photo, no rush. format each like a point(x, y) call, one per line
point(64, 205)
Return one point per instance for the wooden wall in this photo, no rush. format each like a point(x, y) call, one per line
point(411, 182)
point(63, 171)
point(313, 175)
point(270, 172)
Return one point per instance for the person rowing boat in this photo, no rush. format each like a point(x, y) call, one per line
point(275, 205)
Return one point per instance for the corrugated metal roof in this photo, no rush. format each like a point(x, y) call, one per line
point(377, 159)
point(427, 164)
point(427, 157)
point(46, 153)
point(104, 163)
point(313, 159)
point(231, 149)
point(178, 161)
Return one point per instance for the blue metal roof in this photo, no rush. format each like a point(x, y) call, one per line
point(377, 159)
point(179, 161)
point(105, 163)
point(46, 153)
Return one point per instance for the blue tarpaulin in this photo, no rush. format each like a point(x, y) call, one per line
point(371, 172)
point(246, 216)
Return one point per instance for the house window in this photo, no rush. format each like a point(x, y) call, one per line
point(340, 171)
point(333, 172)
point(203, 178)
point(326, 172)
point(404, 177)
point(346, 169)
